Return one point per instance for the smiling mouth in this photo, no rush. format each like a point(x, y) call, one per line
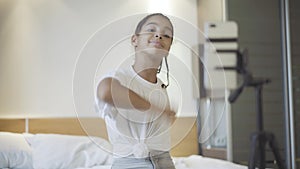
point(157, 44)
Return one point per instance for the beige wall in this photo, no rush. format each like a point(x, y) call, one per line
point(41, 40)
point(210, 11)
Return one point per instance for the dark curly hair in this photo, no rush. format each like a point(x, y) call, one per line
point(144, 20)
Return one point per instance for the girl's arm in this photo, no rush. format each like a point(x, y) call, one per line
point(112, 92)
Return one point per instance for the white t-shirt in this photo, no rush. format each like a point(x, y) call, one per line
point(134, 132)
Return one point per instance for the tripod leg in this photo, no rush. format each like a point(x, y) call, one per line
point(252, 159)
point(274, 147)
point(262, 154)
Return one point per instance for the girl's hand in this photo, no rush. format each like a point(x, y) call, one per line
point(171, 114)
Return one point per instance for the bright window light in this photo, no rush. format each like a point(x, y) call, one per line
point(161, 6)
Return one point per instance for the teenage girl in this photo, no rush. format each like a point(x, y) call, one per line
point(134, 101)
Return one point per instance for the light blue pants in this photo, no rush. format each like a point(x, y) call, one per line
point(159, 161)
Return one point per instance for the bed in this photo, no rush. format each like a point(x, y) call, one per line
point(73, 143)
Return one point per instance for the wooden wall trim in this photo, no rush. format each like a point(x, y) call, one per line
point(12, 125)
point(184, 137)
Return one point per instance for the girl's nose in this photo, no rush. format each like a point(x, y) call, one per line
point(158, 36)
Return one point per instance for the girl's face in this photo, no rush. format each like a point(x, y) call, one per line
point(155, 36)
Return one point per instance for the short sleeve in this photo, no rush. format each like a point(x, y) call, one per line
point(103, 109)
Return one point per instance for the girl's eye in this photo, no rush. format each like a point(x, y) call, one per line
point(150, 30)
point(167, 36)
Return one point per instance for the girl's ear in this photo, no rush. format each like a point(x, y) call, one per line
point(134, 40)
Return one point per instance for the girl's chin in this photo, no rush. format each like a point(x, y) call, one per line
point(155, 52)
point(158, 52)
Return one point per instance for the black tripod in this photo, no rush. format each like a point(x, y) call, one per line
point(260, 138)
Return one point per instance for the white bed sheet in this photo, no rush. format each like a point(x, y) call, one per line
point(193, 162)
point(17, 144)
point(98, 167)
point(199, 162)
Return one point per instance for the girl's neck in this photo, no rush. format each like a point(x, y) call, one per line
point(147, 69)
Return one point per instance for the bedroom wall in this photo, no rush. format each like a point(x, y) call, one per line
point(259, 32)
point(211, 11)
point(41, 40)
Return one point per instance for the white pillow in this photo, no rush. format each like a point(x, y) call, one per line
point(28, 137)
point(64, 151)
point(14, 151)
